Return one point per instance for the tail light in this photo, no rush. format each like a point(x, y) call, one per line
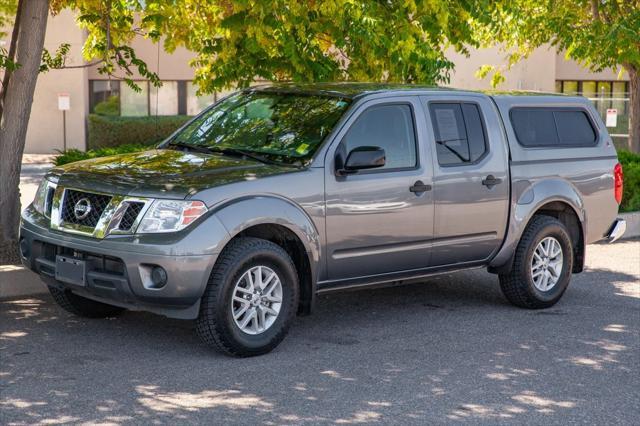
point(618, 182)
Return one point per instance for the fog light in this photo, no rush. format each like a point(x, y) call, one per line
point(153, 277)
point(158, 277)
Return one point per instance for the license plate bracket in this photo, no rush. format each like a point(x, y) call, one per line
point(71, 270)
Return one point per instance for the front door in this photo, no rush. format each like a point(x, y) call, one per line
point(471, 179)
point(380, 220)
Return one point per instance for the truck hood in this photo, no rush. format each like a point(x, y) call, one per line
point(161, 173)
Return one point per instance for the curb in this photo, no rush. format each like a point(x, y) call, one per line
point(633, 224)
point(35, 168)
point(18, 281)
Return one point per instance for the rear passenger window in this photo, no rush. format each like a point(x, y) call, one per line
point(459, 133)
point(548, 127)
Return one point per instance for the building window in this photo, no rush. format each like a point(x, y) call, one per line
point(134, 103)
point(619, 93)
point(594, 89)
point(589, 89)
point(195, 103)
point(570, 87)
point(603, 94)
point(104, 97)
point(172, 98)
point(163, 100)
point(620, 89)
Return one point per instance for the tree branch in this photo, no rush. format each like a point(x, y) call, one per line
point(87, 65)
point(11, 56)
point(595, 11)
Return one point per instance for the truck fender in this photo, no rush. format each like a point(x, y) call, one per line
point(241, 214)
point(527, 200)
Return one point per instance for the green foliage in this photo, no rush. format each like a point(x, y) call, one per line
point(73, 155)
point(5, 62)
point(631, 171)
point(110, 107)
point(598, 34)
point(7, 15)
point(55, 61)
point(105, 131)
point(496, 78)
point(7, 18)
point(306, 41)
point(237, 40)
point(110, 26)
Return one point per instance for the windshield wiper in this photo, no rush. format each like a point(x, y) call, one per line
point(249, 154)
point(235, 152)
point(190, 147)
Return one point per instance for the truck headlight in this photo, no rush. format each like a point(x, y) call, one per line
point(170, 216)
point(40, 200)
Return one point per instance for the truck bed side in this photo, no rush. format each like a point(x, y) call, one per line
point(554, 177)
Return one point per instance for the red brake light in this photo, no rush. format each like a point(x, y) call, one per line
point(618, 182)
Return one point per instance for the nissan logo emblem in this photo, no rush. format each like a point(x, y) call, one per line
point(82, 208)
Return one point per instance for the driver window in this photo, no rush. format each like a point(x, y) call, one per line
point(389, 127)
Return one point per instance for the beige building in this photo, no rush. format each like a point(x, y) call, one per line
point(545, 70)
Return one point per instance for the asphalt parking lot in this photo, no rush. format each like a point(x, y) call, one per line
point(448, 350)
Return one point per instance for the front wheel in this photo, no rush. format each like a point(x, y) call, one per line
point(542, 265)
point(250, 300)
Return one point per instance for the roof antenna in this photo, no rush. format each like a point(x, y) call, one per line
point(157, 90)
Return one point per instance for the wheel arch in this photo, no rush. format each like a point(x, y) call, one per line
point(552, 197)
point(566, 214)
point(284, 223)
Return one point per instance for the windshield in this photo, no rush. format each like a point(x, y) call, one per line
point(285, 127)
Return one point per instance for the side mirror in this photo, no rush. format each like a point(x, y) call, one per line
point(362, 158)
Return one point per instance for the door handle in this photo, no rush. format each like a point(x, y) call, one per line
point(490, 181)
point(419, 187)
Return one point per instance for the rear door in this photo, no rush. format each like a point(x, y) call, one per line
point(471, 179)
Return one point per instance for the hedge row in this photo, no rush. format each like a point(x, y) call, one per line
point(106, 132)
point(631, 171)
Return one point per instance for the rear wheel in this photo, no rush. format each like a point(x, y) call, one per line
point(542, 265)
point(81, 306)
point(250, 300)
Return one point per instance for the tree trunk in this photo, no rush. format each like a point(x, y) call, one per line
point(15, 118)
point(634, 109)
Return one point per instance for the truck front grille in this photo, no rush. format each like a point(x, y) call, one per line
point(71, 209)
point(130, 215)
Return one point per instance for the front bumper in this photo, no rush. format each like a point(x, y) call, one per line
point(117, 268)
point(617, 230)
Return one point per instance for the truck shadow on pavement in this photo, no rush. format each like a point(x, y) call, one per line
point(450, 349)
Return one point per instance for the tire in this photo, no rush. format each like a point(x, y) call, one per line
point(83, 307)
point(519, 285)
point(242, 261)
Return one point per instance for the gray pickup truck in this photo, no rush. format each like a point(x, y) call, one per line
point(276, 194)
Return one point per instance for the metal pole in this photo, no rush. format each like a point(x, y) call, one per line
point(64, 129)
